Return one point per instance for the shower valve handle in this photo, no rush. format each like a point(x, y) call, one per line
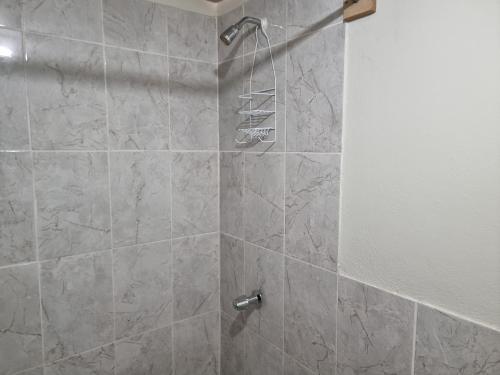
point(244, 302)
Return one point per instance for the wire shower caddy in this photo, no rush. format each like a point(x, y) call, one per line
point(255, 116)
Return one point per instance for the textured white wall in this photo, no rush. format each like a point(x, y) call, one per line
point(421, 167)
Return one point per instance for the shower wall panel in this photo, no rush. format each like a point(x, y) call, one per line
point(109, 248)
point(280, 224)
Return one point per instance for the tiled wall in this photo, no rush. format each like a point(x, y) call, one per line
point(279, 226)
point(110, 251)
point(279, 202)
point(109, 223)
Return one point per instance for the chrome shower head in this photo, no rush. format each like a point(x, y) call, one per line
point(229, 34)
point(232, 31)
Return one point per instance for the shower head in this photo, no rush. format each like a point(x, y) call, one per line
point(232, 31)
point(229, 34)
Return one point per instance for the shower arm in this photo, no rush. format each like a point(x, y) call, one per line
point(245, 20)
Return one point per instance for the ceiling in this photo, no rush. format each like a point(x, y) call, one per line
point(209, 7)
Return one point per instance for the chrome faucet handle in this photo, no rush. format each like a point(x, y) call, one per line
point(243, 302)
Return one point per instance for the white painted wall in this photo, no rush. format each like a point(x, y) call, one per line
point(421, 164)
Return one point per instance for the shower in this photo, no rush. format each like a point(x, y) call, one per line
point(232, 31)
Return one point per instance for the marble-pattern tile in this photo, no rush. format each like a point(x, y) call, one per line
point(232, 359)
point(261, 357)
point(11, 13)
point(264, 271)
point(312, 208)
point(193, 96)
point(69, 18)
point(196, 275)
point(143, 288)
point(34, 371)
point(292, 367)
point(140, 185)
point(20, 331)
point(137, 91)
point(192, 35)
point(197, 345)
point(314, 92)
point(195, 193)
point(375, 331)
point(263, 79)
point(230, 87)
point(72, 203)
point(232, 174)
point(310, 316)
point(232, 272)
point(264, 200)
point(66, 94)
point(303, 18)
point(13, 111)
point(275, 12)
point(16, 209)
point(77, 304)
point(96, 362)
point(147, 354)
point(446, 345)
point(236, 48)
point(136, 24)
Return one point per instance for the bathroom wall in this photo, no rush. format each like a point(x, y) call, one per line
point(280, 203)
point(117, 144)
point(421, 203)
point(109, 239)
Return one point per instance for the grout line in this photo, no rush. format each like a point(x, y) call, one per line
point(414, 340)
point(110, 204)
point(195, 317)
point(24, 264)
point(51, 363)
point(42, 333)
point(75, 256)
point(195, 235)
point(15, 151)
point(232, 236)
point(342, 145)
point(340, 206)
point(114, 342)
point(337, 322)
point(213, 151)
point(423, 303)
point(97, 252)
point(171, 198)
point(146, 332)
point(291, 257)
point(285, 183)
point(187, 59)
point(30, 33)
point(243, 223)
point(219, 355)
point(111, 151)
point(286, 256)
point(10, 28)
point(309, 264)
point(26, 371)
point(33, 187)
point(125, 247)
point(110, 45)
point(173, 150)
